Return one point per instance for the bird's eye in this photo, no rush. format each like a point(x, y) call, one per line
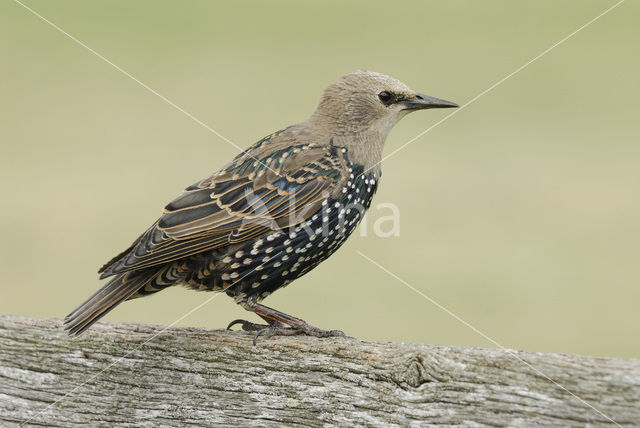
point(385, 97)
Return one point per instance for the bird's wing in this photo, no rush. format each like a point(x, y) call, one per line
point(254, 195)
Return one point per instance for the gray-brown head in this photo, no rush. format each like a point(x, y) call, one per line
point(360, 109)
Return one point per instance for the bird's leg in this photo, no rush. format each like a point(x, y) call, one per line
point(248, 325)
point(277, 324)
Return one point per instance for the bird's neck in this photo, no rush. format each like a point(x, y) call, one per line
point(364, 149)
point(364, 145)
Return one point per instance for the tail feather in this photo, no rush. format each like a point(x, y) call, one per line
point(104, 300)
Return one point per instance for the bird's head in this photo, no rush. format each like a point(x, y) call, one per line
point(366, 102)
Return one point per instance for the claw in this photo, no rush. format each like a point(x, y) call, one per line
point(234, 322)
point(258, 333)
point(247, 325)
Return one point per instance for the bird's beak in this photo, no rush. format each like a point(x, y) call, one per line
point(422, 101)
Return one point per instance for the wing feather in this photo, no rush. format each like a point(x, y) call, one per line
point(244, 201)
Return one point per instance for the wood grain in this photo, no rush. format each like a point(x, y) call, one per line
point(142, 375)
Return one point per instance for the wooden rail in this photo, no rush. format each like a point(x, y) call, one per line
point(128, 374)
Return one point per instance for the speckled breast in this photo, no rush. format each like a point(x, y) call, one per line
point(261, 266)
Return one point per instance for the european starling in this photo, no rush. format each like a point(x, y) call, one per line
point(272, 214)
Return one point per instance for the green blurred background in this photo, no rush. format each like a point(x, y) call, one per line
point(520, 214)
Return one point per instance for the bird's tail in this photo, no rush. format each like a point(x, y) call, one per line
point(108, 297)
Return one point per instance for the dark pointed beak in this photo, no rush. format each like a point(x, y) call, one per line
point(422, 101)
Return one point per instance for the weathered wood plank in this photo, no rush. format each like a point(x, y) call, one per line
point(130, 374)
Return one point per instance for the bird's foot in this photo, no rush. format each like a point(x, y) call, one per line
point(277, 328)
point(251, 326)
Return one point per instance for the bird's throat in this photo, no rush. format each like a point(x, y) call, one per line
point(364, 149)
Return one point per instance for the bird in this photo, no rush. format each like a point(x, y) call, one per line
point(272, 214)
